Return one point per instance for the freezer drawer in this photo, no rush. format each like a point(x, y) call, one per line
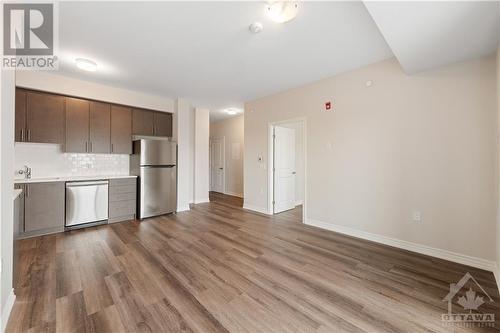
point(86, 202)
point(158, 191)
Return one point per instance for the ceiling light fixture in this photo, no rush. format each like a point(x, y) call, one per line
point(232, 111)
point(86, 64)
point(282, 11)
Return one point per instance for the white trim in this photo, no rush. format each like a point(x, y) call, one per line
point(414, 247)
point(299, 202)
point(183, 208)
point(256, 209)
point(203, 200)
point(270, 194)
point(9, 304)
point(234, 194)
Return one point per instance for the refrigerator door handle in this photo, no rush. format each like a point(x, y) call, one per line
point(158, 166)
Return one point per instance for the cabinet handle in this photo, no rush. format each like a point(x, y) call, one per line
point(153, 128)
point(112, 148)
point(29, 135)
point(90, 143)
point(27, 191)
point(22, 135)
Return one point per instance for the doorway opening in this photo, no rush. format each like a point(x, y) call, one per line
point(217, 164)
point(287, 157)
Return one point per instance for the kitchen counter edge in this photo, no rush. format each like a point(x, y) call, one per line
point(69, 179)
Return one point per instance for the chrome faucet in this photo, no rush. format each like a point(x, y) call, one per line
point(26, 171)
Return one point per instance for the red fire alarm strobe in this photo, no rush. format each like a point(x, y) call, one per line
point(328, 105)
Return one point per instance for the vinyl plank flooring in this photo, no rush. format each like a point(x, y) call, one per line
point(220, 268)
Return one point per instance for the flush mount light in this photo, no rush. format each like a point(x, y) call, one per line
point(282, 11)
point(86, 64)
point(232, 111)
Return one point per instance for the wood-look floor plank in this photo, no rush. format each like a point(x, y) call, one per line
point(220, 268)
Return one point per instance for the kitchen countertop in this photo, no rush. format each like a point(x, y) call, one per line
point(17, 192)
point(68, 179)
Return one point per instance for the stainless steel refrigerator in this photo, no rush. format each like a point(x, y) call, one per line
point(154, 161)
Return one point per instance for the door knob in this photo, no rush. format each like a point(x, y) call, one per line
point(293, 173)
point(221, 168)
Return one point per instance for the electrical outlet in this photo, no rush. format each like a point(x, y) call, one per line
point(417, 216)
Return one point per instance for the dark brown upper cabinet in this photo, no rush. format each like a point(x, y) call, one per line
point(153, 123)
point(82, 125)
point(20, 120)
point(88, 126)
point(143, 122)
point(39, 117)
point(77, 125)
point(100, 127)
point(121, 130)
point(163, 124)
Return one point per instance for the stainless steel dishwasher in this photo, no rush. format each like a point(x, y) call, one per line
point(86, 203)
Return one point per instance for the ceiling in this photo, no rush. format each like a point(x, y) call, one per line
point(425, 35)
point(203, 51)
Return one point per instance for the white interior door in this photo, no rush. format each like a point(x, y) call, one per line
point(217, 165)
point(284, 169)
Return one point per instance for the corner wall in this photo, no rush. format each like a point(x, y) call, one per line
point(185, 158)
point(7, 93)
point(201, 158)
point(425, 143)
point(497, 272)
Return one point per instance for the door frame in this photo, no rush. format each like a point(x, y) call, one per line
point(223, 150)
point(270, 173)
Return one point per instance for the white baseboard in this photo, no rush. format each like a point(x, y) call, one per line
point(256, 209)
point(202, 200)
point(182, 208)
point(234, 194)
point(9, 304)
point(299, 202)
point(414, 247)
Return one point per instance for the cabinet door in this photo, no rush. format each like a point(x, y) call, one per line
point(142, 122)
point(20, 134)
point(45, 118)
point(44, 206)
point(163, 124)
point(121, 130)
point(77, 125)
point(100, 127)
point(19, 212)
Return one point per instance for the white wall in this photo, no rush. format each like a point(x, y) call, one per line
point(79, 88)
point(498, 168)
point(201, 155)
point(232, 130)
point(185, 162)
point(424, 143)
point(7, 297)
point(299, 160)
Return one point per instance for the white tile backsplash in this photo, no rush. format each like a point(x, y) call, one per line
point(48, 160)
